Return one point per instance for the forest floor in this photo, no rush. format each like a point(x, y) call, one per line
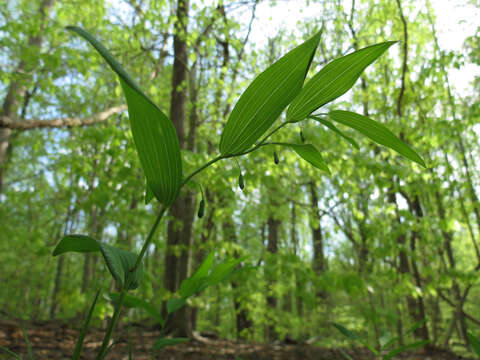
point(56, 341)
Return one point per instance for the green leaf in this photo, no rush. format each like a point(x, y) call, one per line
point(174, 304)
point(196, 282)
point(148, 194)
point(163, 342)
point(76, 243)
point(27, 342)
point(11, 353)
point(351, 335)
point(119, 262)
point(401, 349)
point(375, 131)
point(345, 355)
point(81, 337)
point(131, 301)
point(153, 133)
point(334, 80)
point(332, 127)
point(415, 326)
point(309, 153)
point(345, 332)
point(266, 97)
point(223, 270)
point(474, 342)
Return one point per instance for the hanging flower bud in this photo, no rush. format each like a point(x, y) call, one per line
point(201, 209)
point(241, 183)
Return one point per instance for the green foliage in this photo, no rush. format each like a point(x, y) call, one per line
point(92, 176)
point(27, 343)
point(121, 263)
point(309, 153)
point(83, 332)
point(11, 353)
point(131, 301)
point(385, 343)
point(474, 342)
point(334, 80)
point(154, 135)
point(376, 132)
point(332, 127)
point(266, 97)
point(163, 342)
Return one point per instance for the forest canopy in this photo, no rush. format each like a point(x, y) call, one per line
point(311, 166)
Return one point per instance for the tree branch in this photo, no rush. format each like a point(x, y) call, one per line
point(27, 124)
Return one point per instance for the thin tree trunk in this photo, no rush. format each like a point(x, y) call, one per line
point(180, 227)
point(242, 320)
point(458, 312)
point(272, 249)
point(318, 261)
point(299, 285)
point(56, 288)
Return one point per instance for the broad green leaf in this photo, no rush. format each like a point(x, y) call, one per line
point(335, 130)
point(196, 282)
point(309, 153)
point(401, 349)
point(334, 80)
point(474, 342)
point(119, 262)
point(223, 270)
point(76, 243)
point(347, 333)
point(375, 131)
point(266, 97)
point(153, 133)
point(148, 194)
point(163, 342)
point(130, 301)
point(351, 335)
point(81, 337)
point(174, 304)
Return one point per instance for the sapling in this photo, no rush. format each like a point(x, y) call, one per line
point(251, 124)
point(385, 352)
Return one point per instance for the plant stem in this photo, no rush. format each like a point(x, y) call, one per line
point(113, 323)
point(149, 237)
point(220, 157)
point(271, 133)
point(201, 168)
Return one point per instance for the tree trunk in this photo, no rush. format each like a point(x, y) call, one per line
point(242, 320)
point(271, 267)
point(404, 266)
point(458, 316)
point(56, 287)
point(200, 249)
point(179, 233)
point(318, 261)
point(299, 285)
